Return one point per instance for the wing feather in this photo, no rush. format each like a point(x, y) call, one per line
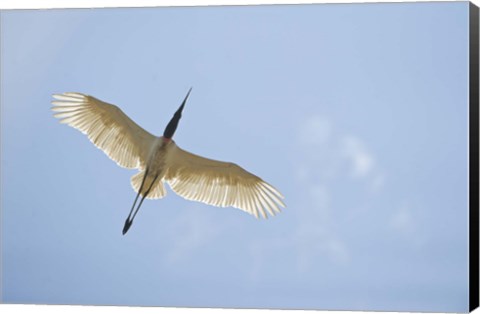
point(107, 127)
point(220, 184)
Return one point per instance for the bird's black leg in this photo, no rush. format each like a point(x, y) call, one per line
point(141, 201)
point(129, 220)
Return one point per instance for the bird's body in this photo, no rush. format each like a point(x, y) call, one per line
point(160, 160)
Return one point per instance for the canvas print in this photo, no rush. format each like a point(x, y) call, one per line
point(268, 156)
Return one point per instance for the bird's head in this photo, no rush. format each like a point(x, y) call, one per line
point(172, 125)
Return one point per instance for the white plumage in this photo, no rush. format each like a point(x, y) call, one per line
point(160, 160)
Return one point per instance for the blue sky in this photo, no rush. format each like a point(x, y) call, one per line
point(356, 113)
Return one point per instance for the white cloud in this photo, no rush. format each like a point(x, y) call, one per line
point(328, 159)
point(405, 223)
point(338, 251)
point(315, 234)
point(316, 130)
point(320, 197)
point(361, 159)
point(327, 153)
point(378, 182)
point(312, 240)
point(192, 231)
point(402, 220)
point(301, 173)
point(313, 237)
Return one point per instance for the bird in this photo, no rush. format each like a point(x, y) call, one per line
point(159, 160)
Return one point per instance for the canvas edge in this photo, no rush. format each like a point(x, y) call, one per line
point(473, 158)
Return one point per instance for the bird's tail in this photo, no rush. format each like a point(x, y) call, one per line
point(157, 191)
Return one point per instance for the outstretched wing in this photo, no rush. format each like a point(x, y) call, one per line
point(220, 184)
point(106, 126)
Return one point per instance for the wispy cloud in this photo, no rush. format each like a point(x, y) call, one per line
point(316, 130)
point(330, 157)
point(361, 160)
point(192, 230)
point(404, 222)
point(328, 153)
point(377, 183)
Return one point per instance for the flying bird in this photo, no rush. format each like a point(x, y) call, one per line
point(160, 160)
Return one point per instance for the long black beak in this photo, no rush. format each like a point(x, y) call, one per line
point(172, 125)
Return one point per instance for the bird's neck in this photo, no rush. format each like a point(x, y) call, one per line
point(166, 139)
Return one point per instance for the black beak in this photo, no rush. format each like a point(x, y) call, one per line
point(172, 125)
